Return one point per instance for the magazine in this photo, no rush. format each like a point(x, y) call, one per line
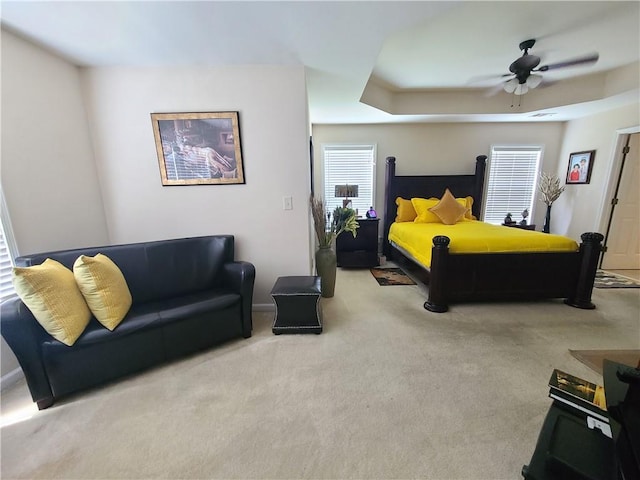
point(584, 392)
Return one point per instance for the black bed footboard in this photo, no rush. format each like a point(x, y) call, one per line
point(513, 276)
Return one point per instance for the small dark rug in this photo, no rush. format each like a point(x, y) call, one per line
point(612, 280)
point(391, 276)
point(594, 358)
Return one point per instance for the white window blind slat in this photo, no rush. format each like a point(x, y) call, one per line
point(349, 165)
point(6, 266)
point(6, 252)
point(513, 174)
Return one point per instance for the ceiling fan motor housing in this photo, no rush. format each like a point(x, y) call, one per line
point(522, 66)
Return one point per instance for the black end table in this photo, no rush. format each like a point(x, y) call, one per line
point(297, 302)
point(517, 225)
point(361, 251)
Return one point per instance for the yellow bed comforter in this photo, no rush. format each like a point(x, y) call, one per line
point(470, 236)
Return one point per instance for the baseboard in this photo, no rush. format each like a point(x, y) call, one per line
point(11, 378)
point(263, 307)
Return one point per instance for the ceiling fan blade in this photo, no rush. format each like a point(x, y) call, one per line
point(484, 78)
point(547, 83)
point(493, 91)
point(591, 58)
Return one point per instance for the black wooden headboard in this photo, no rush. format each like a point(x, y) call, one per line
point(425, 186)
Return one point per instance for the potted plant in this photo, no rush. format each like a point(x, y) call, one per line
point(327, 230)
point(550, 189)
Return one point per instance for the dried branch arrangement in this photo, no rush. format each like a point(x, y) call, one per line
point(550, 188)
point(320, 219)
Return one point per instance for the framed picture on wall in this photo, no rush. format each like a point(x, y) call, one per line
point(580, 166)
point(198, 148)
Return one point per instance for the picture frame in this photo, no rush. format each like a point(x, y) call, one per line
point(579, 167)
point(198, 148)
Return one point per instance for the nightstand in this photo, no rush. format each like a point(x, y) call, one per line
point(361, 251)
point(517, 225)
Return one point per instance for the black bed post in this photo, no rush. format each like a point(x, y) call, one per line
point(437, 301)
point(389, 205)
point(481, 165)
point(590, 249)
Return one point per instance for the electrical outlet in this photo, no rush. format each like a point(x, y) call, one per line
point(287, 203)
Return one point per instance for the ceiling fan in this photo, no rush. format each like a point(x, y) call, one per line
point(524, 70)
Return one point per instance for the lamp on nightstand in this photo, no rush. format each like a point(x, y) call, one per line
point(346, 191)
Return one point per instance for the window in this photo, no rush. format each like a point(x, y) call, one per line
point(350, 165)
point(513, 177)
point(7, 252)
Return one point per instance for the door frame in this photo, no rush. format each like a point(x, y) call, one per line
point(612, 182)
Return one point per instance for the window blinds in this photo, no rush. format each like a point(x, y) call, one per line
point(6, 265)
point(7, 251)
point(349, 165)
point(513, 175)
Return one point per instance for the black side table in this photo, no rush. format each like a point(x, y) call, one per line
point(361, 251)
point(297, 302)
point(517, 225)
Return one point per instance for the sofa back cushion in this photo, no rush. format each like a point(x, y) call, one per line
point(188, 265)
point(160, 269)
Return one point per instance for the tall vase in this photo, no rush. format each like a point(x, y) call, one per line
point(547, 220)
point(326, 268)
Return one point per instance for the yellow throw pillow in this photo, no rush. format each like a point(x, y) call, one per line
point(448, 209)
point(104, 288)
point(468, 203)
point(405, 211)
point(50, 291)
point(422, 206)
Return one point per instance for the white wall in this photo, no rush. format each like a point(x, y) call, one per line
point(48, 171)
point(443, 148)
point(584, 208)
point(60, 195)
point(49, 176)
point(271, 102)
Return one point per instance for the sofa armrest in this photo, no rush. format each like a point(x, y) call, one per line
point(25, 335)
point(240, 277)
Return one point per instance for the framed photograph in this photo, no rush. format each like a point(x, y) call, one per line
point(580, 166)
point(198, 148)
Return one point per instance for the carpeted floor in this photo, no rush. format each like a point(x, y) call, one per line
point(391, 276)
point(613, 280)
point(594, 358)
point(388, 390)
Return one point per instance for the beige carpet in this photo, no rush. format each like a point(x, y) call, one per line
point(594, 358)
point(388, 390)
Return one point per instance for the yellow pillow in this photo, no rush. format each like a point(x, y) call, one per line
point(468, 203)
point(422, 206)
point(50, 292)
point(448, 209)
point(405, 211)
point(104, 288)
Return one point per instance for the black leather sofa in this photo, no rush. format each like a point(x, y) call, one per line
point(188, 295)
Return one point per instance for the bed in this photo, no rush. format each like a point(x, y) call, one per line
point(456, 276)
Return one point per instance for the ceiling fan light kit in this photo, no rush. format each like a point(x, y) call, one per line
point(534, 80)
point(519, 88)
